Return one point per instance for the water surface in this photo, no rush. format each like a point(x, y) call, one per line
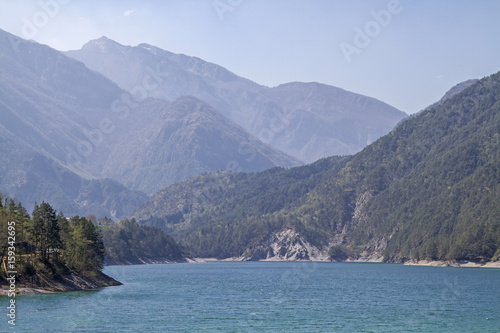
point(273, 297)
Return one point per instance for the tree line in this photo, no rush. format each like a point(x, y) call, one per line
point(49, 244)
point(127, 242)
point(46, 242)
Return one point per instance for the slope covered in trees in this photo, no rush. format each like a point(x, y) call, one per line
point(127, 242)
point(51, 252)
point(48, 250)
point(427, 190)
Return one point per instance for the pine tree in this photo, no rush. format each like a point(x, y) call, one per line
point(46, 230)
point(84, 249)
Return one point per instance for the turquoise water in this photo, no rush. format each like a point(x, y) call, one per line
point(273, 297)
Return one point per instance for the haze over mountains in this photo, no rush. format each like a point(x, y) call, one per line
point(188, 138)
point(64, 125)
point(88, 145)
point(305, 120)
point(47, 102)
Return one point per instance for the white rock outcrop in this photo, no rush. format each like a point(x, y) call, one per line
point(285, 245)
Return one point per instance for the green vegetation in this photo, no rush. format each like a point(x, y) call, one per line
point(127, 242)
point(47, 245)
point(224, 213)
point(427, 190)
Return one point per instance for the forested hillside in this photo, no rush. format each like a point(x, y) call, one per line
point(427, 190)
point(48, 250)
point(127, 242)
point(226, 205)
point(51, 252)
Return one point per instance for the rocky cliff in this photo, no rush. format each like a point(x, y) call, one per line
point(286, 245)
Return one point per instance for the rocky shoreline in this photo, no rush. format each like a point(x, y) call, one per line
point(372, 259)
point(439, 263)
point(71, 282)
point(140, 261)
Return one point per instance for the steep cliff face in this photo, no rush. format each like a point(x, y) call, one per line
point(285, 245)
point(374, 246)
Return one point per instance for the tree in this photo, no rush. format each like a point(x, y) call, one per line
point(46, 229)
point(84, 248)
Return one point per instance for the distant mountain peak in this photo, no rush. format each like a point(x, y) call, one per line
point(307, 120)
point(190, 106)
point(104, 43)
point(104, 39)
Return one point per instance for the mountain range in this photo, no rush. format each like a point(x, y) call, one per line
point(47, 104)
point(189, 137)
point(428, 190)
point(68, 134)
point(72, 136)
point(305, 120)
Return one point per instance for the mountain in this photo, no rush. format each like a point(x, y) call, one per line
point(47, 102)
point(430, 189)
point(322, 120)
point(189, 138)
point(126, 242)
point(32, 177)
point(456, 89)
point(71, 136)
point(305, 120)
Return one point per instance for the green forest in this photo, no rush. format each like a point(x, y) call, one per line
point(127, 242)
point(430, 190)
point(47, 244)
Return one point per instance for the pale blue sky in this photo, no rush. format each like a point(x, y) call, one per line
point(409, 60)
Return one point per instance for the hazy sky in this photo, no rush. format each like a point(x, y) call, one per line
point(406, 53)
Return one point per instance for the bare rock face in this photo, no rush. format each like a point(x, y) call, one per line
point(41, 284)
point(286, 245)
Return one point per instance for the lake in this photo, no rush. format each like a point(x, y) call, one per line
point(273, 297)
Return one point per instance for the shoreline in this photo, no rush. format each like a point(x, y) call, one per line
point(462, 264)
point(70, 282)
point(276, 259)
point(379, 260)
point(79, 283)
point(371, 259)
point(140, 261)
